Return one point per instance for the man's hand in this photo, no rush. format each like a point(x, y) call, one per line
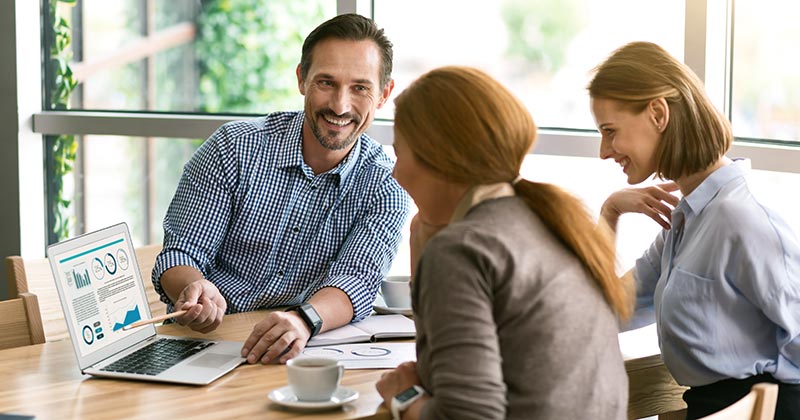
point(205, 305)
point(280, 334)
point(656, 202)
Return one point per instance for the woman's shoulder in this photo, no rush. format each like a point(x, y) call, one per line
point(506, 236)
point(738, 209)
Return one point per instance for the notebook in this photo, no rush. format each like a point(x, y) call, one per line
point(371, 329)
point(101, 291)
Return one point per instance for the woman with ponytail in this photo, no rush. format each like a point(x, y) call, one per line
point(514, 291)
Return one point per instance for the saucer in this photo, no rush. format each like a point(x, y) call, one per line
point(285, 397)
point(385, 310)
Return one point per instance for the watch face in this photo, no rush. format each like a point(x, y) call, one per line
point(310, 316)
point(407, 394)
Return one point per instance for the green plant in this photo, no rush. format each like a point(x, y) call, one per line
point(63, 148)
point(540, 30)
point(248, 50)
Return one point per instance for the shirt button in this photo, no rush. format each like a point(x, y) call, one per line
point(280, 273)
point(295, 229)
point(313, 187)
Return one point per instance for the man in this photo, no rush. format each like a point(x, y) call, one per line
point(291, 208)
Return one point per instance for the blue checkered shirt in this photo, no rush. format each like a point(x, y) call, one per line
point(253, 217)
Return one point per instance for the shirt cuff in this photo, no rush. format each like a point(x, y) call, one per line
point(361, 295)
point(165, 261)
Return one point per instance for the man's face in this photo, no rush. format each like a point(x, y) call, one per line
point(342, 90)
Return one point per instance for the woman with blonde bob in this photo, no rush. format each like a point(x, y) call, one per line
point(515, 296)
point(724, 274)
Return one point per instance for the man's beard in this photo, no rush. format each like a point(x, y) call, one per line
point(329, 142)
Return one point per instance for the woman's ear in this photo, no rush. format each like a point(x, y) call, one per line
point(659, 113)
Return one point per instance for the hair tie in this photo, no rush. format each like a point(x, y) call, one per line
point(516, 180)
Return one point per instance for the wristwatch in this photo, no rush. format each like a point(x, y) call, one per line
point(309, 315)
point(403, 400)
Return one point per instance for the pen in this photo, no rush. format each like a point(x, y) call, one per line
point(152, 320)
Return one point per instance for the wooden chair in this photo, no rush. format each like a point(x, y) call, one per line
point(33, 275)
point(758, 404)
point(652, 391)
point(20, 322)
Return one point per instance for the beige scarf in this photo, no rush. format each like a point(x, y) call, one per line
point(479, 194)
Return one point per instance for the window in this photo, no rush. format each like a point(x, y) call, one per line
point(188, 61)
point(232, 56)
point(766, 85)
point(215, 56)
point(130, 179)
point(543, 50)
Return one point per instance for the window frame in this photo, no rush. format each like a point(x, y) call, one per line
point(699, 39)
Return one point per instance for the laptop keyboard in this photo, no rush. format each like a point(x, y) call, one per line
point(158, 356)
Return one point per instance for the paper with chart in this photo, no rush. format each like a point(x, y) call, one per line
point(367, 355)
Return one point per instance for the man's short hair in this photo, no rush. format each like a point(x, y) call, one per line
point(351, 27)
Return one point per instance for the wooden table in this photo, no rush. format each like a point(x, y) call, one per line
point(43, 380)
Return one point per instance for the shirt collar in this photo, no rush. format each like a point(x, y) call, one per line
point(345, 167)
point(479, 194)
point(291, 152)
point(698, 199)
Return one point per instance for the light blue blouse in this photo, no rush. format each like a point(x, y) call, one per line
point(725, 285)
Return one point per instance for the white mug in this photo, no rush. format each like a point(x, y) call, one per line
point(314, 378)
point(396, 292)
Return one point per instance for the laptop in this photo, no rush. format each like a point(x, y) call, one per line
point(101, 291)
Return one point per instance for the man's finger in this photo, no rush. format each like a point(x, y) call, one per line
point(279, 346)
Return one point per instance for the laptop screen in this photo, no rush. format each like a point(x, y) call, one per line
point(100, 287)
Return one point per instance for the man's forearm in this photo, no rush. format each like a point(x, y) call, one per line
point(333, 306)
point(174, 280)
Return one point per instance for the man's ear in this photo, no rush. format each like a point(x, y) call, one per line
point(659, 113)
point(385, 93)
point(300, 82)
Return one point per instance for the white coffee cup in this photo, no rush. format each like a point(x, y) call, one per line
point(396, 291)
point(314, 378)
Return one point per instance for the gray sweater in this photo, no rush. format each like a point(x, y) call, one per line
point(510, 325)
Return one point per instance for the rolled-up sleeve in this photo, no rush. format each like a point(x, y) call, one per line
point(370, 247)
point(199, 213)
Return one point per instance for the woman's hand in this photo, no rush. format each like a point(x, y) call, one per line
point(656, 202)
point(397, 381)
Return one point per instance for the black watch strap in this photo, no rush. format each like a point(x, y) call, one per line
point(309, 315)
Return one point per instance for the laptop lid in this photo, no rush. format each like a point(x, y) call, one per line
point(101, 290)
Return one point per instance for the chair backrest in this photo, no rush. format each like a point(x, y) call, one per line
point(758, 404)
point(652, 391)
point(20, 322)
point(33, 275)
